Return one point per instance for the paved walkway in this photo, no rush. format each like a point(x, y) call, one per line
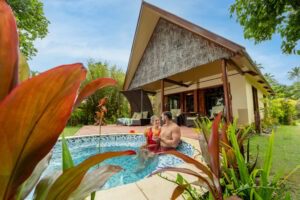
point(109, 129)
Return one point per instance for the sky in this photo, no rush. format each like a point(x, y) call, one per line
point(103, 30)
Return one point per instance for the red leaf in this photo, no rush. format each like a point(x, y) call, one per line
point(71, 178)
point(9, 49)
point(224, 137)
point(213, 146)
point(102, 101)
point(190, 160)
point(178, 191)
point(31, 118)
point(91, 87)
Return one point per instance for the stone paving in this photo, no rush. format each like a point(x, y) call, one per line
point(111, 129)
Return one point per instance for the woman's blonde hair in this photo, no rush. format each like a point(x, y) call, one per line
point(152, 119)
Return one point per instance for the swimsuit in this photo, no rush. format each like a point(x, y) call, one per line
point(152, 145)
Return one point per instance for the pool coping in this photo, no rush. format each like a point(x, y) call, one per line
point(150, 188)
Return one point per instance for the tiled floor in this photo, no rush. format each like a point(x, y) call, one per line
point(108, 129)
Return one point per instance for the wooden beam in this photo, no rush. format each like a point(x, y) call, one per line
point(176, 82)
point(260, 81)
point(226, 92)
point(251, 73)
point(162, 86)
point(149, 92)
point(233, 64)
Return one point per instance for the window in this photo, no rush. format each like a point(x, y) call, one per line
point(214, 100)
point(189, 102)
point(173, 101)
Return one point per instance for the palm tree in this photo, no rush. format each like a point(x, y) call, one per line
point(294, 74)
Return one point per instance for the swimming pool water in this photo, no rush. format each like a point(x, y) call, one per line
point(83, 147)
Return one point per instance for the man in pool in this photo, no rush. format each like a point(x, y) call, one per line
point(170, 133)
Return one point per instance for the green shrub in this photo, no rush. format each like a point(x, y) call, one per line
point(117, 103)
point(279, 111)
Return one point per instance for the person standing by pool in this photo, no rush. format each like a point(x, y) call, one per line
point(170, 135)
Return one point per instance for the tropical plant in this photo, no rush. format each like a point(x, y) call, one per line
point(232, 178)
point(32, 116)
point(32, 24)
point(294, 74)
point(117, 103)
point(262, 19)
point(211, 170)
point(279, 111)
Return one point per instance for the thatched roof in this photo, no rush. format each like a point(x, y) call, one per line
point(165, 44)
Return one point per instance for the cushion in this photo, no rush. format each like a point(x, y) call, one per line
point(175, 112)
point(134, 115)
point(145, 115)
point(138, 116)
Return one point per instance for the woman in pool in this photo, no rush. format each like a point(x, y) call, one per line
point(152, 134)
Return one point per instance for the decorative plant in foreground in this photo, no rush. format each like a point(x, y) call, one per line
point(100, 115)
point(232, 178)
point(32, 116)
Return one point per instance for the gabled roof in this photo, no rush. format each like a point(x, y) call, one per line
point(148, 18)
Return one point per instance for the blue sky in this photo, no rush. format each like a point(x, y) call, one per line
point(103, 30)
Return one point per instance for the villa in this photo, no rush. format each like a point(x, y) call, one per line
point(190, 70)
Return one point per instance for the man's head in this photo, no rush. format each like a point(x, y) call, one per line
point(166, 116)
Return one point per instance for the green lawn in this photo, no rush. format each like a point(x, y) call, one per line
point(71, 130)
point(286, 154)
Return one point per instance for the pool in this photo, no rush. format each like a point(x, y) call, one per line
point(83, 147)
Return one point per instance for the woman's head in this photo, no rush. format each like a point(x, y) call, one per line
point(155, 121)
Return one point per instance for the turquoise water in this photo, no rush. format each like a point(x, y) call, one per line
point(83, 147)
point(131, 171)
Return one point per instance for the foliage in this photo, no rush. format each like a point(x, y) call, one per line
point(279, 111)
point(285, 153)
point(33, 115)
point(283, 91)
point(294, 74)
point(118, 105)
point(236, 179)
point(262, 19)
point(32, 24)
point(24, 70)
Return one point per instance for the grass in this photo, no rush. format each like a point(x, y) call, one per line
point(71, 130)
point(286, 154)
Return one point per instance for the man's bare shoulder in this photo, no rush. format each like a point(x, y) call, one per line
point(175, 127)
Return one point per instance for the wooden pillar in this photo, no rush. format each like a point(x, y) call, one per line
point(195, 100)
point(226, 91)
point(162, 86)
point(142, 101)
point(202, 103)
point(182, 102)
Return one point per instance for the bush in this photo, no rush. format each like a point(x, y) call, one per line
point(279, 111)
point(117, 103)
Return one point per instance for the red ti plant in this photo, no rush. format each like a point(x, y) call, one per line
point(102, 111)
point(100, 114)
point(34, 113)
point(211, 171)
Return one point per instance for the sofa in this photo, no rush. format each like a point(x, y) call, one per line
point(137, 119)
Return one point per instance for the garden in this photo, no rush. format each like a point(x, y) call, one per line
point(40, 112)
